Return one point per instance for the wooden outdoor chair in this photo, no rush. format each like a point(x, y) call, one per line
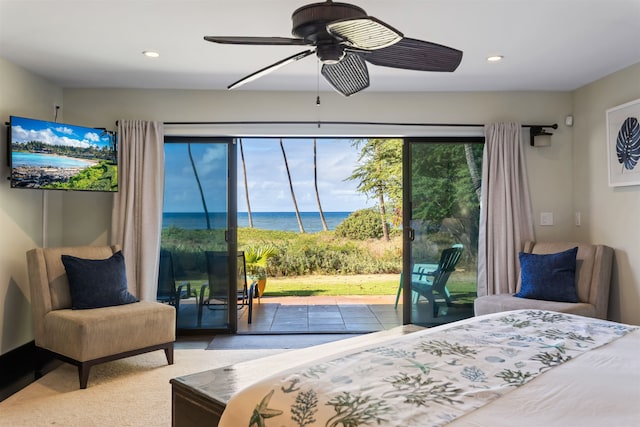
point(425, 283)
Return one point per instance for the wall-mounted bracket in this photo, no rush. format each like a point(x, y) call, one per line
point(540, 131)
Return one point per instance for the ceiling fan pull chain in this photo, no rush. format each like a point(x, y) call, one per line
point(318, 83)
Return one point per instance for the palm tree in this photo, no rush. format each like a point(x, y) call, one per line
point(246, 188)
point(315, 181)
point(380, 173)
point(476, 180)
point(195, 173)
point(293, 196)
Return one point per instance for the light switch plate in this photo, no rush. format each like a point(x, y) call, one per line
point(546, 218)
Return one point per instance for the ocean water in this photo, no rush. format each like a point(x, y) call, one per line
point(284, 221)
point(39, 160)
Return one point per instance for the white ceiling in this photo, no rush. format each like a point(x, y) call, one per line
point(555, 45)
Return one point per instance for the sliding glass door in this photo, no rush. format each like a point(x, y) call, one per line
point(441, 193)
point(199, 233)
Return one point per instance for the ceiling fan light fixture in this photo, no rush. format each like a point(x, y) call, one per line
point(495, 58)
point(330, 53)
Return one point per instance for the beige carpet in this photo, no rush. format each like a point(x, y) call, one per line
point(129, 392)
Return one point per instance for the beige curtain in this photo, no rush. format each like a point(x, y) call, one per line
point(505, 209)
point(137, 208)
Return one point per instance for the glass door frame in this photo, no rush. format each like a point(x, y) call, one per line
point(230, 233)
point(408, 233)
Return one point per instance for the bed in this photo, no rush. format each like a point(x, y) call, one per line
point(525, 368)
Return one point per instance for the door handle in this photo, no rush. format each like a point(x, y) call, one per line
point(411, 234)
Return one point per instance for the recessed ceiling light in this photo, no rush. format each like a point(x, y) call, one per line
point(150, 54)
point(495, 58)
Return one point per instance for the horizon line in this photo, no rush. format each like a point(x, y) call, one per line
point(253, 212)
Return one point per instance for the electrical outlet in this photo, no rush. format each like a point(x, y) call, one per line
point(578, 219)
point(546, 218)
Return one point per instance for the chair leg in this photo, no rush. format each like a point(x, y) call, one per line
point(83, 374)
point(252, 292)
point(168, 351)
point(399, 290)
point(432, 301)
point(447, 297)
point(200, 304)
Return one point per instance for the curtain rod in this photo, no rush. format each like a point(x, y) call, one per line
point(319, 123)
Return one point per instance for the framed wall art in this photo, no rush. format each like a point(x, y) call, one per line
point(623, 144)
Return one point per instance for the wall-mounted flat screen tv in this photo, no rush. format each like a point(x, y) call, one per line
point(58, 156)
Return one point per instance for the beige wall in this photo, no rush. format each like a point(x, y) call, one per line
point(549, 167)
point(84, 218)
point(609, 214)
point(21, 211)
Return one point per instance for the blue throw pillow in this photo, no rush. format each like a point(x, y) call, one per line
point(96, 283)
point(549, 277)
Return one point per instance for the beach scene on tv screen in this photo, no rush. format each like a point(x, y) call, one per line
point(49, 155)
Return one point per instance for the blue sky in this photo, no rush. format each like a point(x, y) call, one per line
point(266, 176)
point(24, 130)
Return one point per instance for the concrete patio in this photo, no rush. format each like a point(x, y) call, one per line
point(319, 314)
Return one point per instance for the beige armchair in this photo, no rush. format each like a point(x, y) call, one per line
point(88, 337)
point(593, 278)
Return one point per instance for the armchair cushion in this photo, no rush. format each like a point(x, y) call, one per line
point(95, 283)
point(549, 277)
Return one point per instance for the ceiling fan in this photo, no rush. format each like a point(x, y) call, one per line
point(344, 38)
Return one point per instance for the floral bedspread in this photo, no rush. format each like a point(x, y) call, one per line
point(427, 378)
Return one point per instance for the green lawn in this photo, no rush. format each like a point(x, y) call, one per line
point(461, 286)
point(332, 285)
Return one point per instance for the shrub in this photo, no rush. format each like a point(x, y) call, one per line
point(294, 254)
point(257, 259)
point(361, 225)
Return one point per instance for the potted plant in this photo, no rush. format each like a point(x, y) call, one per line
point(256, 258)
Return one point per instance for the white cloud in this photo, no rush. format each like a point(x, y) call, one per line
point(46, 136)
point(64, 129)
point(92, 136)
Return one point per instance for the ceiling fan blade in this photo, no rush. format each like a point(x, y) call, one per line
point(366, 33)
point(412, 54)
point(267, 41)
point(348, 76)
point(270, 68)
